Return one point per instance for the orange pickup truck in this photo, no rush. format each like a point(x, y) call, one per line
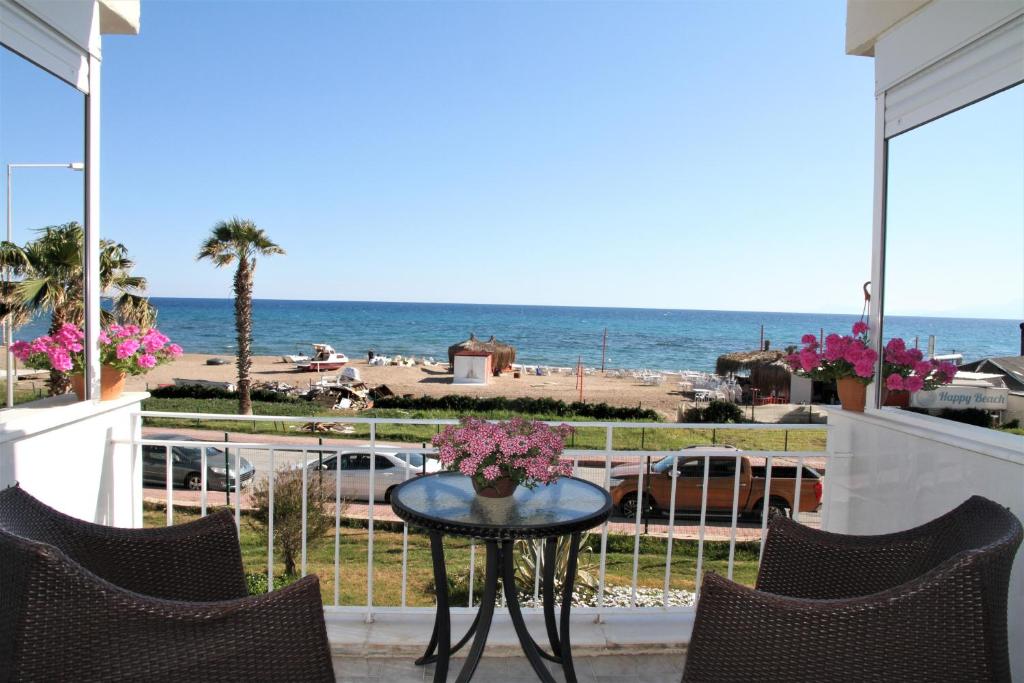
point(657, 484)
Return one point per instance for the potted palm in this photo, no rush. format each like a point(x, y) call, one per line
point(124, 350)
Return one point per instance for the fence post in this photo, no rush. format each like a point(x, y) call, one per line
point(227, 470)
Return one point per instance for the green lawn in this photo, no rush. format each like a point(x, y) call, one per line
point(587, 438)
point(22, 392)
point(387, 565)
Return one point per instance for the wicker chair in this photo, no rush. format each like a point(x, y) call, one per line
point(85, 602)
point(927, 604)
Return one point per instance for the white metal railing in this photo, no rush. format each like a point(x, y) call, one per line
point(275, 449)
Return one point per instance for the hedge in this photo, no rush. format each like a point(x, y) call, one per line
point(526, 406)
point(199, 391)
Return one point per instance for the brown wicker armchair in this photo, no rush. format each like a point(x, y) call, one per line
point(85, 602)
point(927, 604)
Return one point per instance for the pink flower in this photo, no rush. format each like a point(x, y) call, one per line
point(127, 348)
point(153, 340)
point(21, 350)
point(913, 383)
point(104, 338)
point(834, 347)
point(896, 344)
point(492, 472)
point(174, 350)
point(859, 328)
point(808, 360)
point(146, 360)
point(894, 382)
point(864, 368)
point(809, 339)
point(60, 359)
point(922, 368)
point(948, 371)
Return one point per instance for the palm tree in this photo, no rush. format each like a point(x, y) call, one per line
point(50, 278)
point(240, 241)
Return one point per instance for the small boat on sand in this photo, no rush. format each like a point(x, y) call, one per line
point(324, 359)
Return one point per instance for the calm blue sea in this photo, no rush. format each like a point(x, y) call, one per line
point(548, 335)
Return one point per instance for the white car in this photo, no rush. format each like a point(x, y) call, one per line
point(391, 468)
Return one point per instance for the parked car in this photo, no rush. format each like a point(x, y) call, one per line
point(721, 484)
point(187, 465)
point(391, 468)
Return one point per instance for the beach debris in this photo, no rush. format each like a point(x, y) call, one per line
point(325, 427)
point(381, 391)
point(351, 373)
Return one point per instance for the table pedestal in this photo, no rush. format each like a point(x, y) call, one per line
point(500, 559)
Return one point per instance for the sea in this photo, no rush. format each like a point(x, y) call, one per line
point(637, 338)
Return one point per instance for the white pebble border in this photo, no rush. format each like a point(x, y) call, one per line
point(622, 596)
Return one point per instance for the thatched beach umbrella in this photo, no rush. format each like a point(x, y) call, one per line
point(746, 360)
point(769, 371)
point(502, 355)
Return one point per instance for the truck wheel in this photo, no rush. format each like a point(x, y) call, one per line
point(776, 508)
point(628, 505)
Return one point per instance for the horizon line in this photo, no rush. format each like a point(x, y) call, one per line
point(629, 308)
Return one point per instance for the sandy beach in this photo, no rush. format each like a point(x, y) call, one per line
point(431, 381)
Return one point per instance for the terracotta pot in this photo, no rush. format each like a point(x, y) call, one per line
point(503, 487)
point(852, 394)
point(111, 384)
point(898, 399)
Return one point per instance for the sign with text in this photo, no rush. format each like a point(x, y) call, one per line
point(959, 397)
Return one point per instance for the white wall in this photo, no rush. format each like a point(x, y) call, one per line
point(62, 452)
point(890, 470)
point(470, 370)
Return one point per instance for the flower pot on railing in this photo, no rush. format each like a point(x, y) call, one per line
point(852, 394)
point(896, 399)
point(123, 350)
point(111, 384)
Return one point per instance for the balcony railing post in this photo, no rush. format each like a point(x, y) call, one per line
point(604, 527)
point(369, 524)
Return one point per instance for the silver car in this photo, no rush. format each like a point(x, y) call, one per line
point(391, 468)
point(187, 465)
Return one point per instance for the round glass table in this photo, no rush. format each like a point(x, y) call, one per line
point(446, 503)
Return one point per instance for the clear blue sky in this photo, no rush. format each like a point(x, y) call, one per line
point(663, 154)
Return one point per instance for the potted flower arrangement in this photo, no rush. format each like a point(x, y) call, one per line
point(851, 363)
point(906, 371)
point(846, 359)
point(499, 456)
point(124, 350)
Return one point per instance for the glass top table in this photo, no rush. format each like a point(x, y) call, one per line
point(550, 514)
point(447, 502)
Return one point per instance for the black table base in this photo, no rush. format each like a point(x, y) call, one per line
point(500, 559)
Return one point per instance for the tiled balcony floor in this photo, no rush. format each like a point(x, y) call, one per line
point(635, 646)
point(589, 669)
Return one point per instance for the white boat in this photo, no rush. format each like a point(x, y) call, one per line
point(324, 359)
